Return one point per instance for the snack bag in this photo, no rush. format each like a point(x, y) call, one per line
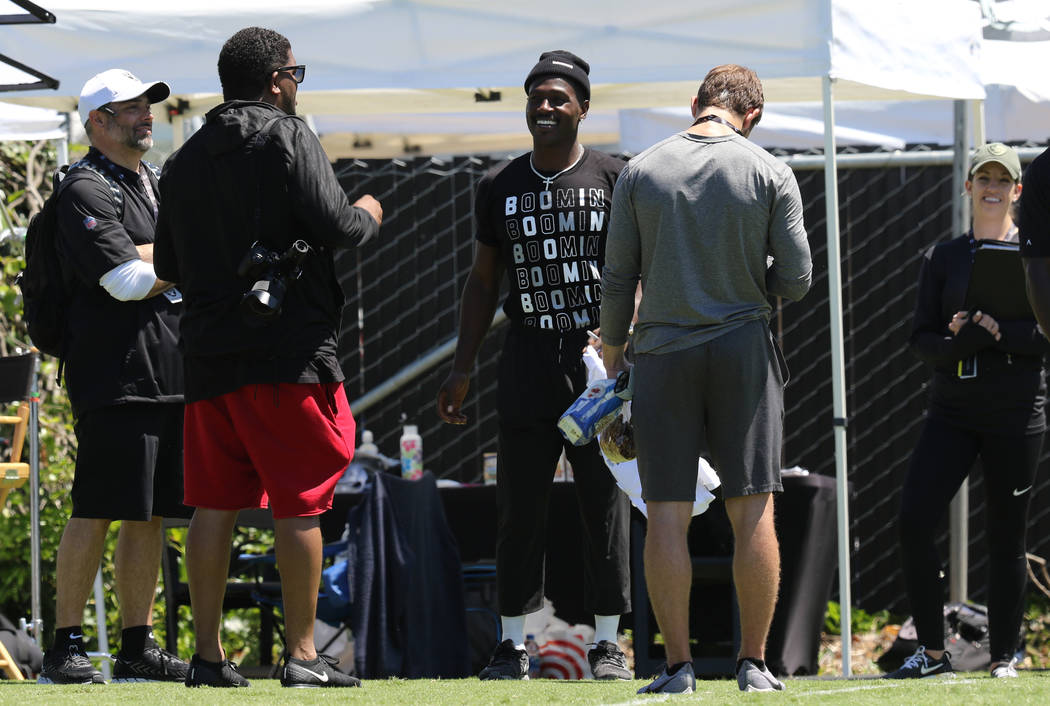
point(617, 438)
point(590, 413)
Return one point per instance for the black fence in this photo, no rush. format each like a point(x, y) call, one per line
point(403, 298)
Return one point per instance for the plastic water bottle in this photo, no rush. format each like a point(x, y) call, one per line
point(411, 453)
point(367, 447)
point(533, 651)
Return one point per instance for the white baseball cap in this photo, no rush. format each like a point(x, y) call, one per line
point(117, 85)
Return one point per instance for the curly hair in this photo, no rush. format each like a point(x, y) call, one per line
point(732, 87)
point(246, 59)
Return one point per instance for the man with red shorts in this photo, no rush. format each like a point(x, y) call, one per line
point(254, 216)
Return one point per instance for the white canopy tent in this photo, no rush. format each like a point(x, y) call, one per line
point(20, 122)
point(470, 56)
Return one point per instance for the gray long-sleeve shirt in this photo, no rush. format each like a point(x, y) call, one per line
point(697, 219)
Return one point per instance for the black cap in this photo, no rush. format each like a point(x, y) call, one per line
point(563, 64)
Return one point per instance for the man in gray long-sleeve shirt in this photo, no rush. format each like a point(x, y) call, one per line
point(697, 218)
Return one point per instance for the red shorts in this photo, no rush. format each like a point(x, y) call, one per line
point(286, 445)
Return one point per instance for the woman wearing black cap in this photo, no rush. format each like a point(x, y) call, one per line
point(986, 400)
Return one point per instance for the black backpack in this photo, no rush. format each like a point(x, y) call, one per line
point(46, 288)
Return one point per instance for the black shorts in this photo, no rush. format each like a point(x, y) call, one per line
point(129, 463)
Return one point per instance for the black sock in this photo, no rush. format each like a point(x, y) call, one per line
point(64, 637)
point(672, 670)
point(134, 640)
point(761, 664)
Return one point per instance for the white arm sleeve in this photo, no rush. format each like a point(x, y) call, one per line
point(129, 281)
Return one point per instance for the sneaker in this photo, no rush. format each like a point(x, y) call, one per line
point(919, 666)
point(1005, 670)
point(608, 661)
point(154, 664)
point(681, 682)
point(205, 673)
point(71, 666)
point(317, 672)
point(754, 675)
point(508, 662)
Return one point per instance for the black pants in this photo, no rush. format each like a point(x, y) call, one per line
point(941, 460)
point(540, 375)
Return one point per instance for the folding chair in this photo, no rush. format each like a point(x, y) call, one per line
point(16, 385)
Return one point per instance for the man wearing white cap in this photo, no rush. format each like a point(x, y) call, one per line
point(124, 378)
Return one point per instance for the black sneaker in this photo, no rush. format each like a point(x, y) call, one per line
point(154, 664)
point(508, 662)
point(608, 661)
point(70, 666)
point(314, 673)
point(205, 673)
point(919, 666)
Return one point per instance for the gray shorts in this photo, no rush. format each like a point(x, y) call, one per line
point(723, 399)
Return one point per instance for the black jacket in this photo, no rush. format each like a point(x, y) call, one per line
point(1009, 392)
point(223, 191)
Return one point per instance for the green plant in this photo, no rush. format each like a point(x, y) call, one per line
point(860, 620)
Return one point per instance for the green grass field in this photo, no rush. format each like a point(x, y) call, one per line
point(1030, 688)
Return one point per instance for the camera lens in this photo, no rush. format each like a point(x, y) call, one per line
point(263, 301)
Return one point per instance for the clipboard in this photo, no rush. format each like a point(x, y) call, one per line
point(997, 282)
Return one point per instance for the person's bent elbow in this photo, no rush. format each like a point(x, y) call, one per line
point(130, 281)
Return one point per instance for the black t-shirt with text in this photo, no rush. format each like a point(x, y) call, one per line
point(1034, 208)
point(552, 239)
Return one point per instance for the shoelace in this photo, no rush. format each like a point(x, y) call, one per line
point(919, 659)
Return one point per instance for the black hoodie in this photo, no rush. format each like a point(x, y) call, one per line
point(221, 192)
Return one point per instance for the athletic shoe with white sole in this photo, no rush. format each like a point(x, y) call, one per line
point(608, 661)
point(682, 681)
point(1005, 670)
point(154, 664)
point(507, 662)
point(220, 674)
point(922, 666)
point(69, 667)
point(754, 675)
point(314, 673)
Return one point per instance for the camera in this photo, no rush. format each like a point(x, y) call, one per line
point(272, 274)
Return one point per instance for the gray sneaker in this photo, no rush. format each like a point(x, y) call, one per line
point(752, 677)
point(681, 682)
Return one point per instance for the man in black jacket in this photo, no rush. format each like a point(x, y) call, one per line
point(267, 419)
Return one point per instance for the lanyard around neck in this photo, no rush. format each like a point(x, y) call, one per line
point(716, 119)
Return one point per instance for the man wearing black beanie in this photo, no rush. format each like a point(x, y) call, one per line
point(542, 218)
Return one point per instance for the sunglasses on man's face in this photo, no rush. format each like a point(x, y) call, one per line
point(297, 72)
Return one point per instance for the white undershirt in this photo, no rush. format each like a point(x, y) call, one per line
point(129, 281)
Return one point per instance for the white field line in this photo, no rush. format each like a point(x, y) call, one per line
point(883, 684)
point(653, 699)
point(889, 684)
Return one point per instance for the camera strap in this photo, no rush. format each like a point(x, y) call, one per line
point(255, 146)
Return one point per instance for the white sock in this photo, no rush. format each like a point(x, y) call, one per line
point(605, 627)
point(514, 629)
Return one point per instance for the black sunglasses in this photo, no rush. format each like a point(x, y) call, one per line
point(297, 72)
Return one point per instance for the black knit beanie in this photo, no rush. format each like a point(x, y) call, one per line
point(563, 64)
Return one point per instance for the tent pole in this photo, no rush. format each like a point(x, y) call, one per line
point(959, 511)
point(838, 373)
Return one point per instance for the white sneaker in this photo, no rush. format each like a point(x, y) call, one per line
point(1005, 670)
